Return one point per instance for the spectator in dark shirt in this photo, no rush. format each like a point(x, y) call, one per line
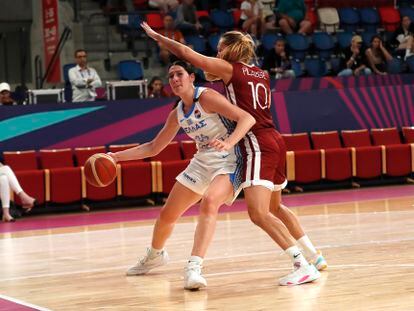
point(187, 20)
point(355, 60)
point(277, 63)
point(164, 5)
point(403, 37)
point(378, 56)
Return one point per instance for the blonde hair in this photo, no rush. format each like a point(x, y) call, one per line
point(238, 47)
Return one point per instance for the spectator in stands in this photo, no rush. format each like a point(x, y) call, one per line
point(84, 79)
point(8, 181)
point(403, 37)
point(251, 18)
point(170, 32)
point(117, 5)
point(164, 5)
point(355, 59)
point(187, 20)
point(378, 56)
point(291, 16)
point(276, 61)
point(5, 95)
point(156, 88)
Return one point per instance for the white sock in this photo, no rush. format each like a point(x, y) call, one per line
point(154, 252)
point(4, 191)
point(296, 257)
point(196, 259)
point(14, 183)
point(307, 246)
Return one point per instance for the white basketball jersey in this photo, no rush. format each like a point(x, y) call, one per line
point(203, 127)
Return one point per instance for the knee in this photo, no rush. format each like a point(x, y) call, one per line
point(209, 206)
point(283, 22)
point(305, 24)
point(275, 209)
point(3, 181)
point(4, 168)
point(257, 217)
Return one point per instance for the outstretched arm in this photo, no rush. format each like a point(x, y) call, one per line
point(214, 65)
point(213, 101)
point(152, 148)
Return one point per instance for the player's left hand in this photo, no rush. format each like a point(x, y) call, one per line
point(220, 145)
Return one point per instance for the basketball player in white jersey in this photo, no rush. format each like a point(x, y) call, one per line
point(211, 176)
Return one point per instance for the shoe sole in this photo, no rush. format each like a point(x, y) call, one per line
point(306, 279)
point(135, 274)
point(195, 286)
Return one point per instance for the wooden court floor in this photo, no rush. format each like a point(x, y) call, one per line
point(369, 246)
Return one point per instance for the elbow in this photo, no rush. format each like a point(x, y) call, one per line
point(251, 120)
point(153, 150)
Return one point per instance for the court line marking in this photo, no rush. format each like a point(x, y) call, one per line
point(131, 228)
point(23, 303)
point(276, 252)
point(329, 267)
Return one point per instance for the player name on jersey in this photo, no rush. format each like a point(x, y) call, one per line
point(249, 72)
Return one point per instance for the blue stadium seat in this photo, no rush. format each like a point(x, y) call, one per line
point(366, 38)
point(349, 19)
point(297, 67)
point(344, 39)
point(407, 11)
point(324, 44)
point(66, 69)
point(213, 41)
point(198, 43)
point(68, 86)
point(298, 44)
point(336, 63)
point(370, 19)
point(315, 67)
point(269, 39)
point(130, 70)
point(394, 66)
point(222, 19)
point(410, 63)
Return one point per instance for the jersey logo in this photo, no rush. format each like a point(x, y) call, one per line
point(197, 114)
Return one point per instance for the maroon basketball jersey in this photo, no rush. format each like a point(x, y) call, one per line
point(249, 89)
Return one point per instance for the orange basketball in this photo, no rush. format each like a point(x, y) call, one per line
point(100, 170)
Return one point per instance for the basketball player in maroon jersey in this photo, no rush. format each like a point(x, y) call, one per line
point(263, 149)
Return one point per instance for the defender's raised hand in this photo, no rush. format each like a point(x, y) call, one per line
point(150, 32)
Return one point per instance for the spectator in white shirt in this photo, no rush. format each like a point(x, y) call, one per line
point(251, 18)
point(84, 79)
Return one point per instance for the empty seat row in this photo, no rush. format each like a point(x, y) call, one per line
point(53, 175)
point(362, 154)
point(353, 155)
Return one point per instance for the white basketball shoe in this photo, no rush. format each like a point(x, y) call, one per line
point(304, 274)
point(148, 262)
point(192, 276)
